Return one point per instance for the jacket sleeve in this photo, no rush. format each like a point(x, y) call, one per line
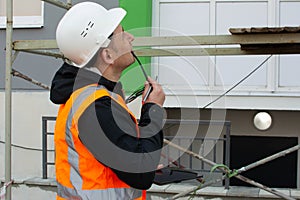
point(110, 134)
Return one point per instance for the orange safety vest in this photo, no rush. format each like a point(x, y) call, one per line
point(79, 175)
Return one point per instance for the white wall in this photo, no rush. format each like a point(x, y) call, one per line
point(27, 111)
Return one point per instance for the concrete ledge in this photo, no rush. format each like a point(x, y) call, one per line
point(243, 192)
point(233, 192)
point(217, 191)
point(263, 193)
point(295, 193)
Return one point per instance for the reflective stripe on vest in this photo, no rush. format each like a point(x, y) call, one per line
point(69, 176)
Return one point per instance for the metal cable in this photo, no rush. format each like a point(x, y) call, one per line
point(26, 148)
point(238, 83)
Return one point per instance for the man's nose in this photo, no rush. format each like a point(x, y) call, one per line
point(130, 36)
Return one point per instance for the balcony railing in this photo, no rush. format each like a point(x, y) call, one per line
point(220, 146)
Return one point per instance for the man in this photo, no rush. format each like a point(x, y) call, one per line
point(102, 152)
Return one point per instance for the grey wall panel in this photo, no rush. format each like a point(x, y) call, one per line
point(40, 68)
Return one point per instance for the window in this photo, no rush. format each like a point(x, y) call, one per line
point(288, 64)
point(27, 14)
point(215, 17)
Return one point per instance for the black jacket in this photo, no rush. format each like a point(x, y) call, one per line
point(106, 118)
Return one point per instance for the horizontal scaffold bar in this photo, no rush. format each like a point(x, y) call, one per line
point(287, 43)
point(286, 38)
point(20, 45)
point(213, 52)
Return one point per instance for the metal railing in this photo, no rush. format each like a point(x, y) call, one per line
point(45, 150)
point(195, 144)
point(188, 162)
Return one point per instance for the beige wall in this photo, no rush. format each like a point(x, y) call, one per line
point(23, 7)
point(27, 111)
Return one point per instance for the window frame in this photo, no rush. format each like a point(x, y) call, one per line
point(33, 21)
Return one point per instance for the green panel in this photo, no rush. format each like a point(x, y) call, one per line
point(138, 22)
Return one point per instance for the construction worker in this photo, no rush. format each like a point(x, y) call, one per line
point(102, 152)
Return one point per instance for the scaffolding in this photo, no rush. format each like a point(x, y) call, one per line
point(253, 41)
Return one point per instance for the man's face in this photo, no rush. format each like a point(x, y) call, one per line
point(122, 47)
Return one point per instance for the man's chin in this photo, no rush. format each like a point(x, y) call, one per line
point(132, 59)
point(126, 59)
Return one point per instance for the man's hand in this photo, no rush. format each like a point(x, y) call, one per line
point(159, 166)
point(157, 95)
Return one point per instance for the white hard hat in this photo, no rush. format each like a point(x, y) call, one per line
point(84, 29)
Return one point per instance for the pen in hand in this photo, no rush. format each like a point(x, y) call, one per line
point(147, 93)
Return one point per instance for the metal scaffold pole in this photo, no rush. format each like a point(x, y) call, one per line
point(59, 3)
point(9, 30)
point(8, 89)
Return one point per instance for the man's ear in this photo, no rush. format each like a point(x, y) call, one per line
point(107, 56)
